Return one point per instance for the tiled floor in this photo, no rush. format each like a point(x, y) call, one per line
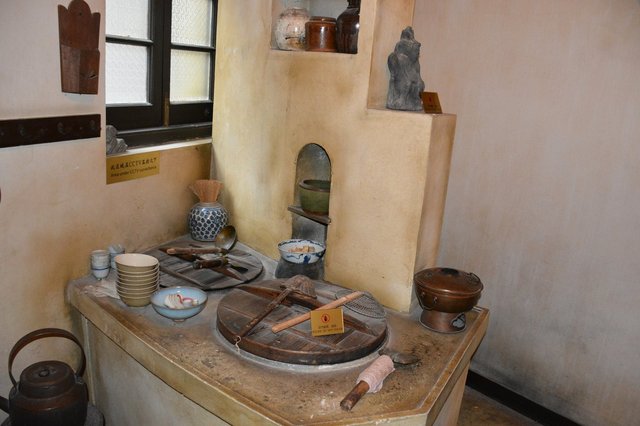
point(479, 410)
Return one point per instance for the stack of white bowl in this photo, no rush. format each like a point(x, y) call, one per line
point(137, 278)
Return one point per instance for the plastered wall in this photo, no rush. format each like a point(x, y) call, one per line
point(56, 206)
point(544, 191)
point(271, 103)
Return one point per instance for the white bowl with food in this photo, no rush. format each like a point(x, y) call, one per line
point(179, 303)
point(303, 251)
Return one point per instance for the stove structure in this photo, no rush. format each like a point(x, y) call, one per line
point(146, 369)
point(282, 114)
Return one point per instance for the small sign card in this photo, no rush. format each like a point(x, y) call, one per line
point(128, 167)
point(431, 103)
point(326, 321)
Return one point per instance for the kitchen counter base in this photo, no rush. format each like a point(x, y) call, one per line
point(146, 369)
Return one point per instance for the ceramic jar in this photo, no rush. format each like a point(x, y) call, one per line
point(206, 220)
point(290, 27)
point(347, 28)
point(321, 34)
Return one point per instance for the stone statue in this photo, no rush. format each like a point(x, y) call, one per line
point(405, 84)
point(115, 144)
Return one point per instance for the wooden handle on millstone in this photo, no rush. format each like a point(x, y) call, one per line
point(304, 317)
point(354, 396)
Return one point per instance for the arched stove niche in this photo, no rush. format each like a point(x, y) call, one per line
point(313, 162)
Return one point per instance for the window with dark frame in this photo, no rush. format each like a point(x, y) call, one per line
point(160, 57)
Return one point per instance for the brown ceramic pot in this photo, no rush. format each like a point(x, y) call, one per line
point(321, 34)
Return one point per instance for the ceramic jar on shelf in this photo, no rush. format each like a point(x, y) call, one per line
point(290, 27)
point(347, 28)
point(321, 34)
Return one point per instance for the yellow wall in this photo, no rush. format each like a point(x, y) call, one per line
point(544, 192)
point(269, 104)
point(56, 206)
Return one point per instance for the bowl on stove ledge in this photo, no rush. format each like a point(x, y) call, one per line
point(314, 196)
point(299, 250)
point(161, 302)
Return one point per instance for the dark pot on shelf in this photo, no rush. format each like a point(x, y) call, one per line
point(321, 34)
point(348, 27)
point(314, 196)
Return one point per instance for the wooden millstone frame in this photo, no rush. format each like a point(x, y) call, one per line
point(296, 345)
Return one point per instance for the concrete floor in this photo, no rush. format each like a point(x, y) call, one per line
point(479, 410)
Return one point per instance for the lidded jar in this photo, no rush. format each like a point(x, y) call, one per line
point(347, 28)
point(290, 27)
point(321, 34)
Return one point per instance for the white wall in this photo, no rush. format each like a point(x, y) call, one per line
point(544, 192)
point(56, 206)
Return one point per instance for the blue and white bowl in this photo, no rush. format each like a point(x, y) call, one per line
point(158, 302)
point(301, 251)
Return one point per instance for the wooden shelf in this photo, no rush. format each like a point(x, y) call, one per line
point(323, 219)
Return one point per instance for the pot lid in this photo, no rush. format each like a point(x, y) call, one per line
point(46, 379)
point(449, 281)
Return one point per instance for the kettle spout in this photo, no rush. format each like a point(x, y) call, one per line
point(4, 404)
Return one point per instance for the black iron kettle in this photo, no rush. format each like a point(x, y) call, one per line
point(49, 392)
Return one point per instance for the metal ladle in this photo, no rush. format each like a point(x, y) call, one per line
point(226, 238)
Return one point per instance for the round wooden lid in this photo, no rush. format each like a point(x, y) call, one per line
point(363, 334)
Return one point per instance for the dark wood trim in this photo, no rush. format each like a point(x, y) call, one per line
point(516, 402)
point(31, 131)
point(160, 135)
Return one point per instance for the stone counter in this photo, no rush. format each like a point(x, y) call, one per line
point(146, 368)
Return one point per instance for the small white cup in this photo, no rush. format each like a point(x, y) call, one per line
point(100, 259)
point(114, 250)
point(100, 273)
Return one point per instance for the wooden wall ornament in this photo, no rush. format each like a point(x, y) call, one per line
point(79, 31)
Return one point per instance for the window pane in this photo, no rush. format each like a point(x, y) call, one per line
point(128, 18)
point(126, 74)
point(191, 22)
point(189, 76)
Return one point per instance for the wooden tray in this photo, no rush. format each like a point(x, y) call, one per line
point(211, 280)
point(362, 335)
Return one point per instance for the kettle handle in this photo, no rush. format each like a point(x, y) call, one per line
point(40, 334)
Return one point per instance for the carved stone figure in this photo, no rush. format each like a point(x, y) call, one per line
point(115, 144)
point(405, 83)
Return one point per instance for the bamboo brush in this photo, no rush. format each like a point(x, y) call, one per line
point(207, 190)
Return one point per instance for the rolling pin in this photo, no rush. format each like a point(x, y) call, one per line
point(370, 380)
point(304, 317)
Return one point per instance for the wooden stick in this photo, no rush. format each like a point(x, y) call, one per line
point(304, 317)
point(354, 396)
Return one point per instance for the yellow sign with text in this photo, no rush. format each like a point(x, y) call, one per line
point(326, 321)
point(135, 166)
